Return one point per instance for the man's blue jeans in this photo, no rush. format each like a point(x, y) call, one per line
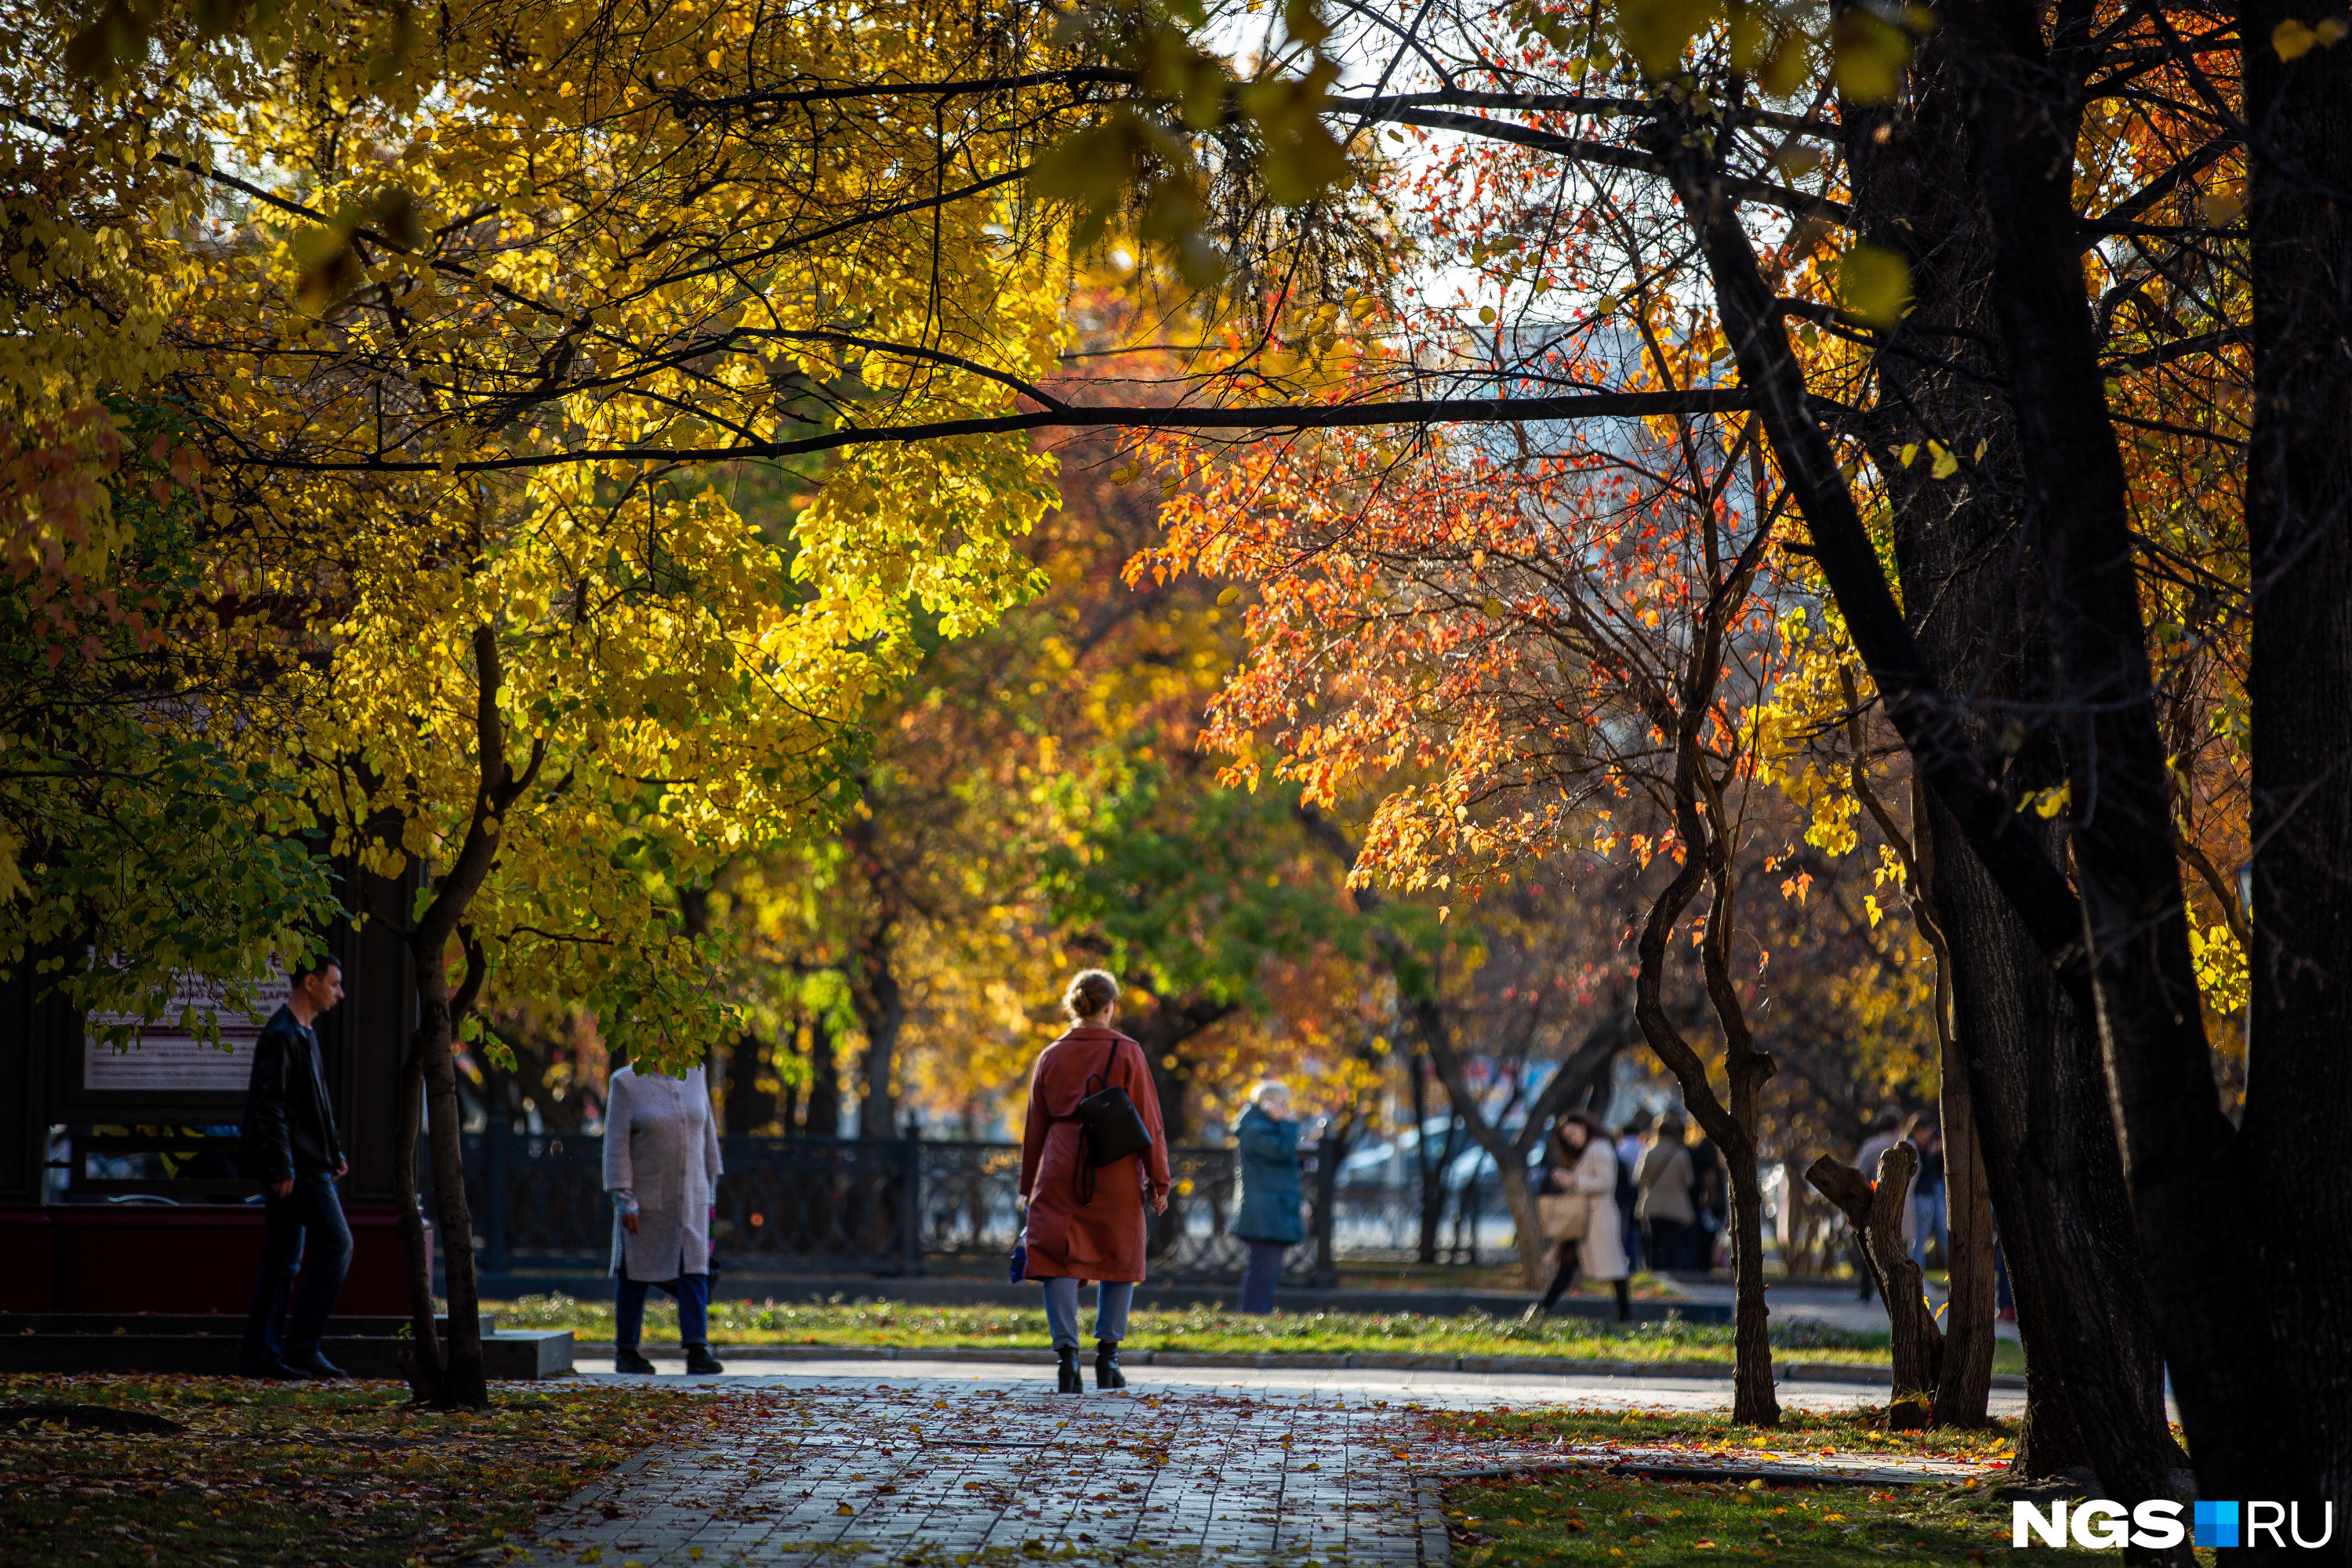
point(692, 1292)
point(313, 1213)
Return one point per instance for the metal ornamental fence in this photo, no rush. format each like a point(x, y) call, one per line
point(882, 1206)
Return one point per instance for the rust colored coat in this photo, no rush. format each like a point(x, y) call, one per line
point(1102, 1240)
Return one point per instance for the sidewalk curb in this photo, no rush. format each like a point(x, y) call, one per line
point(1385, 1360)
point(1428, 1496)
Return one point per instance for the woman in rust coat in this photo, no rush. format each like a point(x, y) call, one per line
point(1086, 1222)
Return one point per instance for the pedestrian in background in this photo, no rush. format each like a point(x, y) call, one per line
point(1581, 1162)
point(1629, 1192)
point(1267, 1141)
point(291, 1149)
point(1085, 1221)
point(1668, 1206)
point(661, 1166)
point(1928, 1212)
point(1708, 1197)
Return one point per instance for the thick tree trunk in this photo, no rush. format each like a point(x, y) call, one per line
point(1964, 1380)
point(2296, 1133)
point(2236, 1404)
point(2023, 1063)
point(2095, 1372)
point(1973, 809)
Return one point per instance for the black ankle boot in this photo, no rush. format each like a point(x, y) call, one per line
point(1106, 1372)
point(1071, 1381)
point(625, 1358)
point(700, 1363)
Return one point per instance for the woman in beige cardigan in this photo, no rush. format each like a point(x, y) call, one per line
point(1668, 1206)
point(1583, 1162)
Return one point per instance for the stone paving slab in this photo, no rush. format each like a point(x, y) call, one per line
point(922, 1472)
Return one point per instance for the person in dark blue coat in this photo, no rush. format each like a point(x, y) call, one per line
point(1271, 1193)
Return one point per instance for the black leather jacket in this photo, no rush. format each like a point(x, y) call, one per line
point(288, 1128)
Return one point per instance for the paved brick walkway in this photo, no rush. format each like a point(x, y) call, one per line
point(939, 1474)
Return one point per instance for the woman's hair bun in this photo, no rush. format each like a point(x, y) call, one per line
point(1089, 991)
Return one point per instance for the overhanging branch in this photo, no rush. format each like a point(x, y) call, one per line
point(1266, 420)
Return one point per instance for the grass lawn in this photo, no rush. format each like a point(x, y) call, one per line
point(1625, 1521)
point(343, 1475)
point(1860, 1433)
point(914, 1326)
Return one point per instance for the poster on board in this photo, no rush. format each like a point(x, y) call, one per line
point(167, 1059)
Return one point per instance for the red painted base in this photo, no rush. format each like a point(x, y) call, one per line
point(146, 1258)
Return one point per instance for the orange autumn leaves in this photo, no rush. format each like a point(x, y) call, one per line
point(1494, 642)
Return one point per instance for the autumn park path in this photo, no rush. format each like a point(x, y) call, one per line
point(940, 1465)
point(920, 1472)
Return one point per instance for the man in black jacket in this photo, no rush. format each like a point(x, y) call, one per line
point(290, 1146)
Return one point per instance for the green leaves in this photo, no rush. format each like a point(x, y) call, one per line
point(1656, 32)
point(1874, 285)
point(1772, 43)
point(1868, 56)
point(1140, 148)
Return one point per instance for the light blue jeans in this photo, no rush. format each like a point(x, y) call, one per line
point(1113, 1298)
point(1928, 1219)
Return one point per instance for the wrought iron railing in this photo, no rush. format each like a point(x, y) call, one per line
point(814, 1206)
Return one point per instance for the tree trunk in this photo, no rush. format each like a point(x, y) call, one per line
point(2236, 1403)
point(2020, 1069)
point(2296, 1133)
point(824, 1119)
point(421, 1363)
point(1964, 1380)
point(462, 1381)
point(881, 1007)
point(749, 1108)
point(1964, 1375)
point(2009, 915)
point(1427, 1190)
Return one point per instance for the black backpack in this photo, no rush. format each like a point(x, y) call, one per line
point(1112, 1127)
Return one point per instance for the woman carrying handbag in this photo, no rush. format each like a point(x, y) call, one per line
point(1092, 1152)
point(1578, 1211)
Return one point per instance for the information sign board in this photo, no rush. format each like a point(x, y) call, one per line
point(167, 1059)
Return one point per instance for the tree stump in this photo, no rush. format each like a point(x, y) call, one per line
point(1877, 1215)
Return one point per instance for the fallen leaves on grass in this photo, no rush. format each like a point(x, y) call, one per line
point(349, 1474)
point(1858, 1434)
